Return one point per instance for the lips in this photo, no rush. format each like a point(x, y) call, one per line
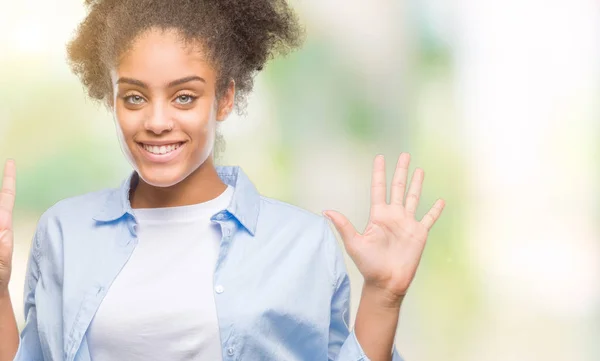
point(163, 153)
point(161, 149)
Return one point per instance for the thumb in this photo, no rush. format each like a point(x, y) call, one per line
point(342, 225)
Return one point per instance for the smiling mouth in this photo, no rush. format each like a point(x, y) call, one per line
point(161, 149)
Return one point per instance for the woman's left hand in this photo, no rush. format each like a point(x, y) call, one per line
point(388, 252)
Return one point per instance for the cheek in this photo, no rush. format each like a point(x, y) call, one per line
point(199, 123)
point(122, 127)
point(198, 129)
point(126, 122)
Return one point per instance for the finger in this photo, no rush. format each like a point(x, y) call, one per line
point(414, 192)
point(434, 214)
point(342, 225)
point(6, 238)
point(6, 249)
point(378, 186)
point(9, 181)
point(400, 179)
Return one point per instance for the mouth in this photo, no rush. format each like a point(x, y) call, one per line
point(161, 149)
point(161, 153)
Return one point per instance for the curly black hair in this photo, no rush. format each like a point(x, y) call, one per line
point(238, 37)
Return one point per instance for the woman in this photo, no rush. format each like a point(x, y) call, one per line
point(186, 260)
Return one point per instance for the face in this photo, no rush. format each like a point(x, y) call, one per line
point(165, 107)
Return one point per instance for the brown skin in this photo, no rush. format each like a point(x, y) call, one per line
point(387, 253)
point(187, 113)
point(240, 36)
point(8, 328)
point(8, 323)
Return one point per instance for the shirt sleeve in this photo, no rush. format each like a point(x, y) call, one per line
point(343, 344)
point(29, 345)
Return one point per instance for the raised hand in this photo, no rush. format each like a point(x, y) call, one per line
point(7, 202)
point(388, 252)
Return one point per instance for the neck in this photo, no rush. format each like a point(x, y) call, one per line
point(201, 186)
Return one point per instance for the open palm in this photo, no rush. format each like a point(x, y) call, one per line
point(388, 252)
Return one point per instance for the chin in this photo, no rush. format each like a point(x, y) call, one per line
point(161, 177)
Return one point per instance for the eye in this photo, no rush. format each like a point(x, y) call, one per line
point(185, 99)
point(134, 99)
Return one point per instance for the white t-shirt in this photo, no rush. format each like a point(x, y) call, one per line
point(151, 311)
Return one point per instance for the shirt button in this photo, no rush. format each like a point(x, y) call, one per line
point(230, 351)
point(219, 289)
point(227, 232)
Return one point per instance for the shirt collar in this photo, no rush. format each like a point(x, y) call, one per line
point(244, 205)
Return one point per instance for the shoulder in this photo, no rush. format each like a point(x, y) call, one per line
point(312, 230)
point(78, 207)
point(76, 210)
point(281, 213)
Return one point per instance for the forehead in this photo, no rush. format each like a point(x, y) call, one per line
point(162, 55)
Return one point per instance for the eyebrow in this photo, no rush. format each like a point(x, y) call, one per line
point(187, 79)
point(141, 84)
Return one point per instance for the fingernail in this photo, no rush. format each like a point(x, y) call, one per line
point(325, 215)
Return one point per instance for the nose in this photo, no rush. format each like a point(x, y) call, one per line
point(159, 121)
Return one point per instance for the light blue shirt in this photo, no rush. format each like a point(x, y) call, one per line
point(281, 287)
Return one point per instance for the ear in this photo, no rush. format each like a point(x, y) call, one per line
point(226, 102)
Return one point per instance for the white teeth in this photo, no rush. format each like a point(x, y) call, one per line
point(160, 150)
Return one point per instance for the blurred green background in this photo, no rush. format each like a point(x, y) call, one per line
point(497, 101)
